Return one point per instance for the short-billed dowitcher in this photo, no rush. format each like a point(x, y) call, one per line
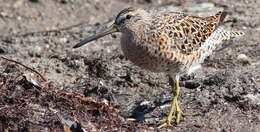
point(170, 42)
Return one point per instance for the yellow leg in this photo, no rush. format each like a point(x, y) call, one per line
point(175, 112)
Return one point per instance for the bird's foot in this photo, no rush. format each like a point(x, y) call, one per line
point(175, 114)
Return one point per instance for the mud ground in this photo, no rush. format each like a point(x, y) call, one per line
point(97, 87)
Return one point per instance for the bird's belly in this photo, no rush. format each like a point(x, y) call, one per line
point(139, 56)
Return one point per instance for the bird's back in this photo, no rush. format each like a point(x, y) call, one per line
point(187, 40)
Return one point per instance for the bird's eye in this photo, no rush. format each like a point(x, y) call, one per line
point(128, 16)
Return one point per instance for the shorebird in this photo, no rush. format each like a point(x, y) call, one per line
point(171, 42)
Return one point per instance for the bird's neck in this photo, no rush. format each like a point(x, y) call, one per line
point(139, 30)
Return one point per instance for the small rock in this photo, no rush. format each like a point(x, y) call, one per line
point(64, 1)
point(64, 40)
point(34, 1)
point(18, 3)
point(243, 59)
point(207, 5)
point(8, 40)
point(47, 46)
point(101, 83)
point(4, 14)
point(144, 103)
point(2, 51)
point(106, 102)
point(58, 71)
point(164, 106)
point(19, 18)
point(131, 119)
point(114, 36)
point(31, 78)
point(191, 85)
point(254, 98)
point(11, 68)
point(97, 24)
point(36, 51)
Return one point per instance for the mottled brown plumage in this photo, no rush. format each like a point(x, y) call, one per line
point(170, 42)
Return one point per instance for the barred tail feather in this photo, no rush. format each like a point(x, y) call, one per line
point(212, 43)
point(215, 40)
point(226, 35)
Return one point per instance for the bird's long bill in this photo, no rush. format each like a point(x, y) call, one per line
point(109, 30)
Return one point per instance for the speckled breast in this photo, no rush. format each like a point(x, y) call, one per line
point(140, 56)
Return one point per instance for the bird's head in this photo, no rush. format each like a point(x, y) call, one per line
point(128, 20)
point(131, 19)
